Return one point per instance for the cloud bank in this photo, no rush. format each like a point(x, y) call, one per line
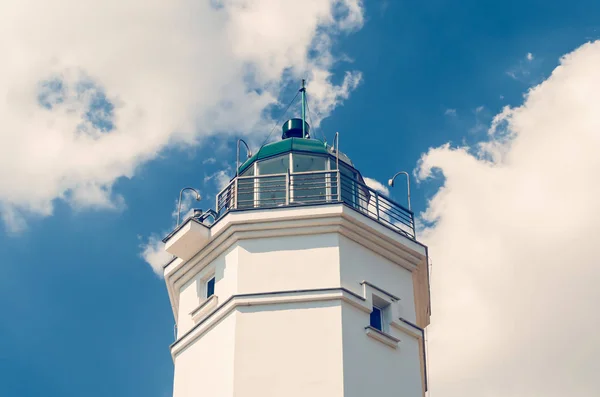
point(513, 236)
point(376, 185)
point(90, 90)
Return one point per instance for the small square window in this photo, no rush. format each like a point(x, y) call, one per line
point(376, 318)
point(210, 287)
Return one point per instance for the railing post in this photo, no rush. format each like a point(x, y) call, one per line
point(287, 187)
point(328, 187)
point(235, 193)
point(255, 191)
point(377, 204)
point(339, 183)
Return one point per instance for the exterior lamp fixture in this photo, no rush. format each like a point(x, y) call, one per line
point(198, 198)
point(391, 184)
point(248, 151)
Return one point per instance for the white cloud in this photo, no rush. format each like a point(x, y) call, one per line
point(90, 90)
point(323, 97)
point(153, 252)
point(514, 246)
point(376, 185)
point(522, 70)
point(481, 119)
point(221, 178)
point(450, 112)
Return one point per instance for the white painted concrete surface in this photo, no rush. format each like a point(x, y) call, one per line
point(292, 307)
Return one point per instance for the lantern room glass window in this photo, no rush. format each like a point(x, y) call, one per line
point(349, 188)
point(245, 186)
point(275, 165)
point(248, 171)
point(312, 187)
point(271, 187)
point(305, 163)
point(312, 179)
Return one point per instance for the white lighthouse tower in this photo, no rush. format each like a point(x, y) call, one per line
point(303, 283)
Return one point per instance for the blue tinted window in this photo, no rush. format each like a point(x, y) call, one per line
point(376, 318)
point(210, 287)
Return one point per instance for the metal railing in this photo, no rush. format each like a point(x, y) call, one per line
point(314, 187)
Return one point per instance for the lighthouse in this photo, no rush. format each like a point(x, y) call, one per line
point(302, 282)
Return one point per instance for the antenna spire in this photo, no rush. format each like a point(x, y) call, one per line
point(303, 91)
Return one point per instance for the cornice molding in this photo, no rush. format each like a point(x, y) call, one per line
point(262, 299)
point(335, 218)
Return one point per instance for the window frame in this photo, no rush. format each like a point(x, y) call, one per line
point(381, 316)
point(207, 286)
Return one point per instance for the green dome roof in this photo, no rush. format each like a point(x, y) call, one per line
point(288, 145)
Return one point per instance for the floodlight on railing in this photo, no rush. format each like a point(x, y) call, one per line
point(198, 198)
point(237, 161)
point(391, 184)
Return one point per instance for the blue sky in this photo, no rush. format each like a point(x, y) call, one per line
point(84, 314)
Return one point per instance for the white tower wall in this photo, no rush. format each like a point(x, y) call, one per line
point(290, 315)
point(292, 349)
